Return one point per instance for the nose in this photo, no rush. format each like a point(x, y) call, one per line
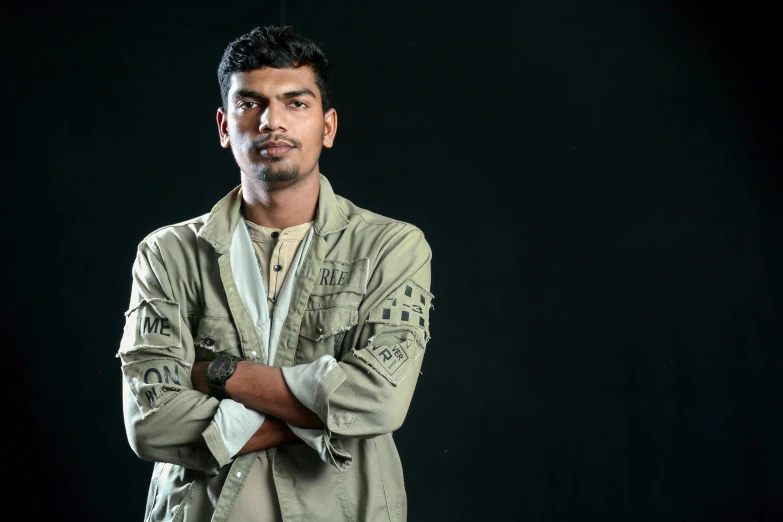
point(272, 119)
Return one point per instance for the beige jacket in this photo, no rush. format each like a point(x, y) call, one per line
point(349, 330)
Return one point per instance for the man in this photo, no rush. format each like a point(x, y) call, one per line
point(272, 346)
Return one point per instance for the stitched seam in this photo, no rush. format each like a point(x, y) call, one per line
point(392, 221)
point(216, 315)
point(155, 492)
point(346, 502)
point(185, 365)
point(239, 490)
point(184, 501)
point(182, 224)
point(383, 482)
point(159, 255)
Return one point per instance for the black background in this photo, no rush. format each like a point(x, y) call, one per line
point(599, 183)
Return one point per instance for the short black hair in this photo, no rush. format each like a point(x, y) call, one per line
point(278, 47)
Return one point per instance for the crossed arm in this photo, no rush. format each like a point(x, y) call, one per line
point(262, 388)
point(362, 395)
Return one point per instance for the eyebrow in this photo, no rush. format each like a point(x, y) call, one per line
point(285, 96)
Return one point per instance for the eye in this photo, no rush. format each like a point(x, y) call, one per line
point(298, 104)
point(246, 105)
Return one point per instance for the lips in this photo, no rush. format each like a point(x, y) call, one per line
point(275, 149)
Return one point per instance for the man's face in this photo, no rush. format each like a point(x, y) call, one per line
point(275, 124)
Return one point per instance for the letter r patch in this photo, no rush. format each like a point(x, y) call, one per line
point(391, 353)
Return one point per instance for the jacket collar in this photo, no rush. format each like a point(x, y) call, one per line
point(218, 230)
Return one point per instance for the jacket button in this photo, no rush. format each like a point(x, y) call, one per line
point(275, 235)
point(278, 268)
point(320, 329)
point(208, 341)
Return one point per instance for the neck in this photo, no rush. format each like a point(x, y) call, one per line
point(281, 205)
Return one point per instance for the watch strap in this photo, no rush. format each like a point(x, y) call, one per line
point(219, 392)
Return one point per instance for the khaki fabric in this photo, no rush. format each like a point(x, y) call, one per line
point(257, 502)
point(362, 297)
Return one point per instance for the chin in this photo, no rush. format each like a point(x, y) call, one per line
point(277, 175)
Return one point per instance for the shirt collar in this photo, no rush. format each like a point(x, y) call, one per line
point(267, 234)
point(218, 230)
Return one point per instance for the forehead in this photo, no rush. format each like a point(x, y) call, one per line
point(271, 82)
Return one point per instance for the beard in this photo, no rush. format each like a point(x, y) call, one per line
point(275, 171)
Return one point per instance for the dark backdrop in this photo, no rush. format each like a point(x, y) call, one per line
point(599, 182)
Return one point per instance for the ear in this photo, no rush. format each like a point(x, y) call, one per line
point(330, 128)
point(222, 123)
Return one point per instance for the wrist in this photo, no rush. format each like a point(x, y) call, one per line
point(235, 383)
point(198, 377)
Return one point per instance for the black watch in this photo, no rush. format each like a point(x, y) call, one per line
point(218, 372)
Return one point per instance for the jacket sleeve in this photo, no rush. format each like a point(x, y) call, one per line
point(368, 391)
point(164, 416)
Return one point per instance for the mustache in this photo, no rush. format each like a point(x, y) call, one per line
point(257, 144)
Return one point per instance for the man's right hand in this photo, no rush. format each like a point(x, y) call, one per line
point(273, 432)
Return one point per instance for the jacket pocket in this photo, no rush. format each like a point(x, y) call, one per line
point(174, 485)
point(322, 331)
point(216, 335)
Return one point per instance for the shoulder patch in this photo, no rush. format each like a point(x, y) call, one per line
point(408, 305)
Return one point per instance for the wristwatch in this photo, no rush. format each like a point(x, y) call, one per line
point(218, 372)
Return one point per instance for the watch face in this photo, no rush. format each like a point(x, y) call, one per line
point(220, 368)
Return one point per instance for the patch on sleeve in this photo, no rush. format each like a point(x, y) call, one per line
point(409, 305)
point(155, 381)
point(391, 354)
point(154, 323)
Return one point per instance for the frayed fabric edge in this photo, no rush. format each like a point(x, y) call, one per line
point(151, 300)
point(185, 365)
point(339, 329)
point(141, 347)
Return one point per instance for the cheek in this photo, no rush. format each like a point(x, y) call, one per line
point(239, 135)
point(242, 124)
point(315, 137)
